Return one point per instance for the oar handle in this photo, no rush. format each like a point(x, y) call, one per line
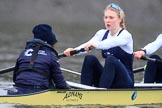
point(151, 59)
point(73, 52)
point(76, 51)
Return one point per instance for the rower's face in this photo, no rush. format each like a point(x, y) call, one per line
point(111, 19)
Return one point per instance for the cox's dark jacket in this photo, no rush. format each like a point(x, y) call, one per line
point(41, 71)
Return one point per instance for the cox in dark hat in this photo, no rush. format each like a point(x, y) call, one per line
point(44, 32)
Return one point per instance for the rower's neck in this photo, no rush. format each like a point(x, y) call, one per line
point(113, 32)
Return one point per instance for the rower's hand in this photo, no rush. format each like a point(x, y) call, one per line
point(138, 54)
point(67, 51)
point(89, 46)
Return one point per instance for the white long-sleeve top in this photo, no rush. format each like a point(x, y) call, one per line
point(123, 40)
point(154, 46)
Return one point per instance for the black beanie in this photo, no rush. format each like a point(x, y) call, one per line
point(44, 32)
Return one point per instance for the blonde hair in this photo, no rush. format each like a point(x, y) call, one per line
point(120, 14)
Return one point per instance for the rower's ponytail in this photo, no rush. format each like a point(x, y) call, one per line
point(122, 16)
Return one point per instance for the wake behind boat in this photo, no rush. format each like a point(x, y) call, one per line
point(87, 95)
